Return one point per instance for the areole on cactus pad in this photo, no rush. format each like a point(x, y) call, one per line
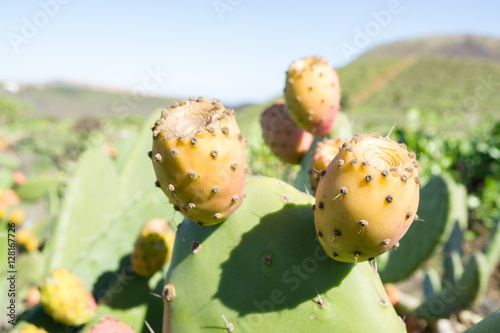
point(312, 94)
point(199, 158)
point(367, 198)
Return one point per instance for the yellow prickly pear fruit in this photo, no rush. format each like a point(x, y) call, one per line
point(27, 240)
point(285, 139)
point(66, 299)
point(312, 94)
point(367, 198)
point(17, 216)
point(30, 328)
point(199, 158)
point(153, 247)
point(323, 154)
point(111, 325)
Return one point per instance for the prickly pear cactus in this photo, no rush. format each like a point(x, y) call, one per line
point(367, 198)
point(443, 204)
point(285, 139)
point(153, 247)
point(265, 272)
point(323, 154)
point(312, 94)
point(111, 324)
point(199, 159)
point(65, 298)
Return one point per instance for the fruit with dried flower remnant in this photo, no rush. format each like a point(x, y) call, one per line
point(199, 158)
point(367, 198)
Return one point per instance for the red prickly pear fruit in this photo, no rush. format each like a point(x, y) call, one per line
point(312, 94)
point(285, 139)
point(392, 293)
point(153, 247)
point(323, 154)
point(33, 298)
point(199, 158)
point(19, 178)
point(111, 325)
point(66, 299)
point(30, 328)
point(8, 198)
point(367, 198)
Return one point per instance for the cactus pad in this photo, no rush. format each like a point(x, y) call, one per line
point(267, 273)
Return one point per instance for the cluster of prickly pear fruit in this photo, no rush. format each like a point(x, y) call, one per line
point(153, 247)
point(199, 157)
point(111, 325)
point(312, 94)
point(367, 198)
point(66, 299)
point(323, 154)
point(285, 139)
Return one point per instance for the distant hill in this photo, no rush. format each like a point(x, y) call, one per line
point(454, 80)
point(461, 46)
point(65, 100)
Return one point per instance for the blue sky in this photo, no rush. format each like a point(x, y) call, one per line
point(238, 53)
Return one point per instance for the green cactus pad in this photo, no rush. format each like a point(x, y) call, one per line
point(264, 271)
point(464, 294)
point(442, 203)
point(489, 324)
